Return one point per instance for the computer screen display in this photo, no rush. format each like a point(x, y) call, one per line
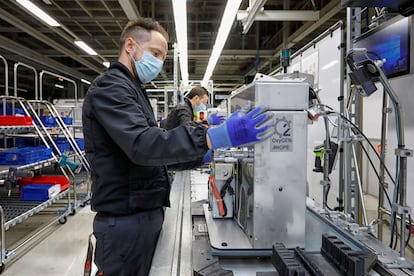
point(390, 41)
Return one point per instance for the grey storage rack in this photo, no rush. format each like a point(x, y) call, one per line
point(76, 154)
point(13, 211)
point(81, 181)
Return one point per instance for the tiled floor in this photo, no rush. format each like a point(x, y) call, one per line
point(63, 252)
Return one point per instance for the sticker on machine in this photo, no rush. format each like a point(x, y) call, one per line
point(282, 141)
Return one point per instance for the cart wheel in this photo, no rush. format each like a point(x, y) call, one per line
point(63, 220)
point(1, 268)
point(73, 212)
point(83, 204)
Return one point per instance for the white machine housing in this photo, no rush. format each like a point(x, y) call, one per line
point(271, 191)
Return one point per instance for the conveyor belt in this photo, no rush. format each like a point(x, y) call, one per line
point(173, 254)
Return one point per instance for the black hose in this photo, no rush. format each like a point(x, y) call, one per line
point(409, 231)
point(370, 144)
point(376, 172)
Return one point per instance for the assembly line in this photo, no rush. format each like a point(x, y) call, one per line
point(136, 139)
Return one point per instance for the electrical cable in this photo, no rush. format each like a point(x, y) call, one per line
point(327, 146)
point(394, 230)
point(393, 227)
point(409, 231)
point(369, 142)
point(394, 200)
point(326, 197)
point(376, 172)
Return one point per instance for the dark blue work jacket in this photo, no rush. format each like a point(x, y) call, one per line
point(126, 149)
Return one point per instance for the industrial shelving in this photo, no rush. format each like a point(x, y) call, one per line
point(71, 162)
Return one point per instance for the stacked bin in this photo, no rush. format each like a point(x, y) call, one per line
point(26, 155)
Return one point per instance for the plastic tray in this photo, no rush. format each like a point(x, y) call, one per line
point(15, 121)
point(26, 155)
point(45, 179)
point(35, 192)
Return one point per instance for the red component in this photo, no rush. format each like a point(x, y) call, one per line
point(45, 179)
point(15, 121)
point(217, 196)
point(87, 265)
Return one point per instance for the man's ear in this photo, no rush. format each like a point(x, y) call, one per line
point(129, 45)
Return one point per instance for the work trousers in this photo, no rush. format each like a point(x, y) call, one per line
point(125, 245)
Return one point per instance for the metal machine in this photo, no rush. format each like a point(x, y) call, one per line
point(258, 206)
point(261, 190)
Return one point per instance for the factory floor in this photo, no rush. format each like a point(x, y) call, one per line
point(63, 251)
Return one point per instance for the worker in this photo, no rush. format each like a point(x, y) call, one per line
point(128, 152)
point(183, 113)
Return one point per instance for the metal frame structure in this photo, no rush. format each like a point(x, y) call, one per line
point(13, 211)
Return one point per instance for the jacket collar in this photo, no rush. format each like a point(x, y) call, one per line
point(189, 104)
point(121, 67)
point(124, 70)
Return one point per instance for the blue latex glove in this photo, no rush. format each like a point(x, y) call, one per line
point(243, 128)
point(215, 119)
point(207, 157)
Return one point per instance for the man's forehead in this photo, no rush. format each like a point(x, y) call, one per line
point(157, 42)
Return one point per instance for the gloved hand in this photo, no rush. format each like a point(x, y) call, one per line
point(243, 128)
point(207, 157)
point(214, 119)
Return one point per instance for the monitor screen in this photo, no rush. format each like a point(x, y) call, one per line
point(390, 41)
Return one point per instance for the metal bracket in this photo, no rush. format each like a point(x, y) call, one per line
point(399, 209)
point(404, 152)
point(325, 182)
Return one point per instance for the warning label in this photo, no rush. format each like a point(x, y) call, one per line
point(282, 141)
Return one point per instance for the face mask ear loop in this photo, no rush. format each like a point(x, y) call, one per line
point(134, 70)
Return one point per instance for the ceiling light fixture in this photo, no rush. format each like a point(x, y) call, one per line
point(86, 81)
point(85, 47)
point(227, 20)
point(180, 20)
point(35, 10)
point(106, 64)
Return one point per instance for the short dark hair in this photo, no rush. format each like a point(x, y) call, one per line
point(140, 29)
point(197, 91)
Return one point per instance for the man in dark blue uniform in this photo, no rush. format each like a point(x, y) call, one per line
point(183, 113)
point(128, 152)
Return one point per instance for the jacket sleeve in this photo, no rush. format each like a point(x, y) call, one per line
point(120, 111)
point(186, 165)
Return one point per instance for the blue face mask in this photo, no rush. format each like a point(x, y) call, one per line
point(148, 67)
point(200, 107)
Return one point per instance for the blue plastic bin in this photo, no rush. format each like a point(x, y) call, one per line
point(26, 155)
point(67, 120)
point(48, 121)
point(35, 192)
point(81, 143)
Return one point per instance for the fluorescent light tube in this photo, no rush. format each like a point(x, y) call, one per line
point(226, 22)
point(180, 20)
point(35, 10)
point(85, 47)
point(106, 64)
point(86, 81)
point(59, 86)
